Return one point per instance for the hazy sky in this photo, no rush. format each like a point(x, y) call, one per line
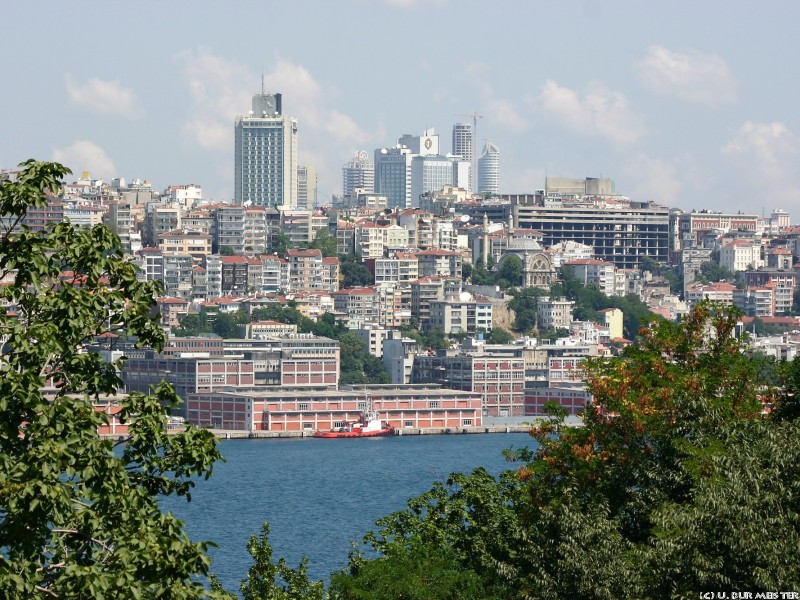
point(692, 104)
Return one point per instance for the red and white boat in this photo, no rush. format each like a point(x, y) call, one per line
point(368, 425)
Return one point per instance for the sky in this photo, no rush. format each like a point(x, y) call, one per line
point(689, 104)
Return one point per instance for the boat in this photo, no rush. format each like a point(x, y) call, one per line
point(368, 425)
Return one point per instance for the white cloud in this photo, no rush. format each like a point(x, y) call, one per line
point(767, 155)
point(654, 179)
point(219, 91)
point(502, 113)
point(522, 180)
point(103, 97)
point(84, 155)
point(601, 112)
point(691, 76)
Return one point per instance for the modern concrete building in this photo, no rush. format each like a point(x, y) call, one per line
point(499, 379)
point(358, 174)
point(393, 175)
point(463, 146)
point(306, 187)
point(620, 231)
point(431, 173)
point(266, 154)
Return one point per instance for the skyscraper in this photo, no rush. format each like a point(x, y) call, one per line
point(266, 154)
point(393, 175)
point(359, 173)
point(306, 187)
point(489, 169)
point(462, 145)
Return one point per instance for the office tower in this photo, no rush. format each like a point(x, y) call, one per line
point(489, 169)
point(462, 145)
point(433, 173)
point(426, 144)
point(393, 175)
point(393, 168)
point(306, 187)
point(359, 173)
point(266, 154)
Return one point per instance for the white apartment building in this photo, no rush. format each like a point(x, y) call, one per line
point(595, 272)
point(402, 267)
point(373, 239)
point(554, 313)
point(741, 255)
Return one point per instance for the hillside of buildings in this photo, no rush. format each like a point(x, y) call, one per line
point(687, 456)
point(498, 299)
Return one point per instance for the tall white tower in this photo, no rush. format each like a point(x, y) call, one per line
point(266, 154)
point(462, 145)
point(489, 169)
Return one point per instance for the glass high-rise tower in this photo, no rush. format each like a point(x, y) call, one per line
point(462, 145)
point(359, 173)
point(266, 154)
point(489, 169)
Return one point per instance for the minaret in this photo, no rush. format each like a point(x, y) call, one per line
point(485, 239)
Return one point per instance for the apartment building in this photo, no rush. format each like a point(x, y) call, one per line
point(310, 271)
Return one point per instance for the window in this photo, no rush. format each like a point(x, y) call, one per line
point(467, 422)
point(303, 406)
point(433, 404)
point(408, 424)
point(308, 426)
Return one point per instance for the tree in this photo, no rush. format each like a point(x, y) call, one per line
point(226, 326)
point(325, 242)
point(267, 580)
point(511, 271)
point(466, 271)
point(676, 483)
point(354, 272)
point(498, 335)
point(226, 251)
point(79, 518)
point(280, 243)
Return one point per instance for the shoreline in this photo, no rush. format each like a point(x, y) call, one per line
point(408, 431)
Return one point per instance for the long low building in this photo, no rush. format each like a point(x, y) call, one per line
point(414, 406)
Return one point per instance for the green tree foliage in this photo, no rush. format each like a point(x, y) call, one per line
point(589, 300)
point(481, 276)
point(193, 325)
point(354, 272)
point(226, 325)
point(325, 242)
point(267, 580)
point(280, 243)
point(511, 272)
point(79, 518)
point(524, 303)
point(677, 484)
point(498, 335)
point(466, 271)
point(226, 251)
point(711, 271)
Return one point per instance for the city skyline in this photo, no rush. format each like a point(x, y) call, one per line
point(677, 104)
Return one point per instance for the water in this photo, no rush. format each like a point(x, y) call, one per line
point(320, 496)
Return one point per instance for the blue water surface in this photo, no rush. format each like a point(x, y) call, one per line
point(319, 495)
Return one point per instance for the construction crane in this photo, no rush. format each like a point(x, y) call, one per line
point(474, 175)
